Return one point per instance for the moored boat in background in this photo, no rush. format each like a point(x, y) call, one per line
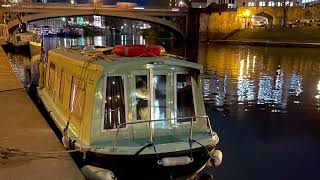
point(35, 45)
point(19, 42)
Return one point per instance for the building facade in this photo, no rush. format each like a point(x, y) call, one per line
point(268, 3)
point(271, 3)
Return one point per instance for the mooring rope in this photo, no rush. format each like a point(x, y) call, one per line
point(13, 89)
point(5, 152)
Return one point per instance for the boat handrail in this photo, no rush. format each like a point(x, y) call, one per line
point(166, 119)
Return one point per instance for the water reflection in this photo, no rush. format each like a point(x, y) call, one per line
point(254, 76)
point(317, 96)
point(295, 86)
point(270, 103)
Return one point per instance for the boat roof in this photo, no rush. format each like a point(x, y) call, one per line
point(113, 61)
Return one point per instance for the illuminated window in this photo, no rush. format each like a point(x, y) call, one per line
point(77, 96)
point(114, 103)
point(270, 3)
point(279, 4)
point(262, 3)
point(230, 6)
point(251, 4)
point(287, 3)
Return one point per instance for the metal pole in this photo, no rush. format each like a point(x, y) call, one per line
point(151, 101)
point(191, 127)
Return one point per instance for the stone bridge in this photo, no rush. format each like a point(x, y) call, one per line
point(275, 14)
point(178, 20)
point(229, 21)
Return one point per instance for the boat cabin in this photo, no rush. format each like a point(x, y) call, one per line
point(122, 103)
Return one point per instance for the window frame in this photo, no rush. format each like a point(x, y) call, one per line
point(62, 82)
point(104, 103)
point(51, 74)
point(84, 100)
point(167, 77)
point(175, 97)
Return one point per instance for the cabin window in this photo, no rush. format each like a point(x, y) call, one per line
point(185, 104)
point(62, 79)
point(114, 103)
point(77, 97)
point(51, 77)
point(160, 104)
point(142, 97)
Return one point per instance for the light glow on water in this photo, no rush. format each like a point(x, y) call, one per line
point(250, 77)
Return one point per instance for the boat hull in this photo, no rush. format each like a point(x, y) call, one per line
point(35, 48)
point(146, 166)
point(21, 48)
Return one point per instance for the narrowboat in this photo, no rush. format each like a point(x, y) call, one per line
point(19, 42)
point(25, 43)
point(35, 45)
point(140, 115)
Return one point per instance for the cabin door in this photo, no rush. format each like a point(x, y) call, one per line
point(151, 98)
point(159, 90)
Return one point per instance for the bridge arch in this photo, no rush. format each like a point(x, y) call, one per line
point(267, 16)
point(156, 20)
point(308, 13)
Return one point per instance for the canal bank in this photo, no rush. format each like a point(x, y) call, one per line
point(29, 148)
point(278, 37)
point(296, 34)
point(266, 43)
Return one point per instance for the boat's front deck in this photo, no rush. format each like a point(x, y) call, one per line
point(157, 140)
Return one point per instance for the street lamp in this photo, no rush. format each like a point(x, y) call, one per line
point(247, 15)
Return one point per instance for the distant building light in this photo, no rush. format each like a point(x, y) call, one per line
point(247, 13)
point(6, 5)
point(180, 3)
point(175, 9)
point(138, 8)
point(230, 6)
point(251, 4)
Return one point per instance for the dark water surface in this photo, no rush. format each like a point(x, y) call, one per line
point(264, 103)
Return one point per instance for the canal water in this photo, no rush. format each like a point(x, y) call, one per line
point(264, 103)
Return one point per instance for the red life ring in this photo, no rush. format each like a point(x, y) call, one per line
point(138, 50)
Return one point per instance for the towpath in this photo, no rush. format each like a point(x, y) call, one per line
point(29, 148)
